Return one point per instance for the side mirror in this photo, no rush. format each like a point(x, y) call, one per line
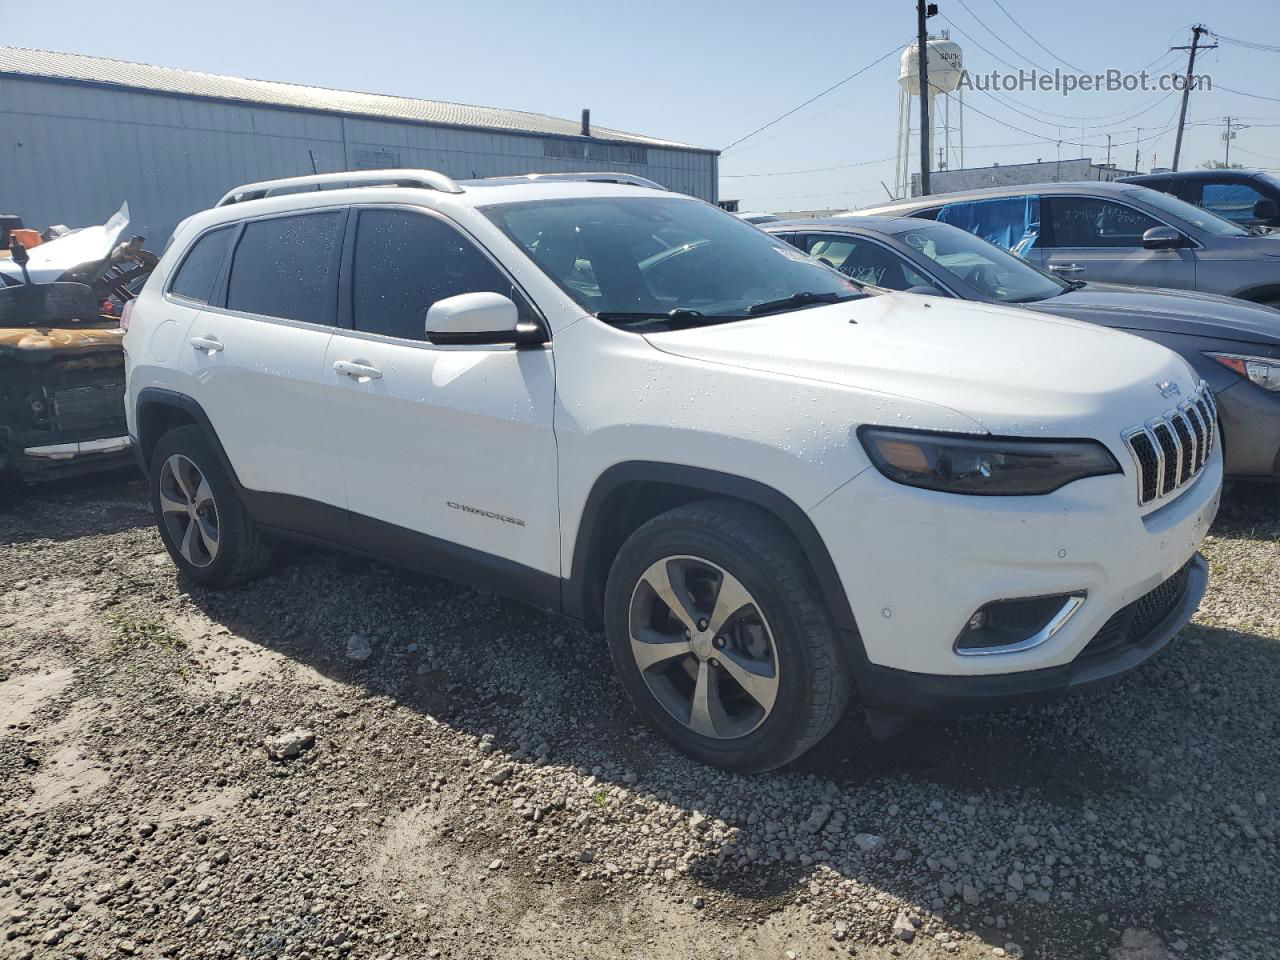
point(1163, 238)
point(925, 291)
point(1267, 212)
point(479, 318)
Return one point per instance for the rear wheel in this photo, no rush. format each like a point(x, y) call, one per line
point(721, 639)
point(199, 514)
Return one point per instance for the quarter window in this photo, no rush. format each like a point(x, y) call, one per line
point(288, 267)
point(405, 262)
point(1092, 222)
point(195, 278)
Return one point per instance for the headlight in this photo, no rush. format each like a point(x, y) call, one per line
point(1262, 371)
point(983, 466)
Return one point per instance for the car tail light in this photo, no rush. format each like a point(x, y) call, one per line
point(125, 314)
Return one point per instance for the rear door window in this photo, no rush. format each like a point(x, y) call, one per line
point(864, 260)
point(405, 262)
point(195, 277)
point(288, 267)
point(1009, 222)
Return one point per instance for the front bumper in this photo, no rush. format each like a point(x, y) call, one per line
point(916, 565)
point(921, 694)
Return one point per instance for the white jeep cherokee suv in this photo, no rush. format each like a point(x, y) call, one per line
point(772, 488)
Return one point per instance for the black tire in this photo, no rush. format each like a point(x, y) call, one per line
point(47, 303)
point(813, 683)
point(242, 554)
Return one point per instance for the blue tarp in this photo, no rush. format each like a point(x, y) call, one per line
point(1009, 222)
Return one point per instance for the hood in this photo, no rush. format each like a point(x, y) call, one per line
point(1167, 311)
point(1011, 371)
point(47, 345)
point(84, 252)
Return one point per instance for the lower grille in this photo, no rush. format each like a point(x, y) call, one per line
point(75, 408)
point(1132, 624)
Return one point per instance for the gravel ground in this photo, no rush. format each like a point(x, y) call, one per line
point(346, 760)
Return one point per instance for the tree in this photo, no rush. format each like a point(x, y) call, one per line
point(1219, 165)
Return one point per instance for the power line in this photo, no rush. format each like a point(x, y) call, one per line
point(1256, 96)
point(1013, 66)
point(809, 119)
point(1034, 40)
point(1249, 44)
point(841, 83)
point(1016, 52)
point(788, 173)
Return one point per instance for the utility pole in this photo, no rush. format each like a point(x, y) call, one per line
point(1226, 139)
point(1137, 152)
point(1108, 163)
point(1198, 29)
point(923, 12)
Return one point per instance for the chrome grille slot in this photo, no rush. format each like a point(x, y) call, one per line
point(1186, 447)
point(1171, 450)
point(1171, 455)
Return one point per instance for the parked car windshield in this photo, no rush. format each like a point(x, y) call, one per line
point(670, 261)
point(994, 272)
point(1210, 223)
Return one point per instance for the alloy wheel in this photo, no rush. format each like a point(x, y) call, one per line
point(189, 511)
point(703, 647)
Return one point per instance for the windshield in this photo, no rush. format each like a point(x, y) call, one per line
point(664, 259)
point(1210, 223)
point(994, 272)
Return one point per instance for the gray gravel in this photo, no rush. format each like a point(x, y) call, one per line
point(346, 760)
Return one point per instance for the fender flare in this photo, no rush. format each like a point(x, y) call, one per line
point(151, 397)
point(577, 600)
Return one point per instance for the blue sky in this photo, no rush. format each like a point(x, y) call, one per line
point(710, 72)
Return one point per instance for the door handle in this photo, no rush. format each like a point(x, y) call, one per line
point(207, 344)
point(1066, 268)
point(357, 370)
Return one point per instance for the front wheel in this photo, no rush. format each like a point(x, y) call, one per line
point(721, 639)
point(198, 511)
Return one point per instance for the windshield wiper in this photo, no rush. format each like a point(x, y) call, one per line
point(805, 298)
point(679, 316)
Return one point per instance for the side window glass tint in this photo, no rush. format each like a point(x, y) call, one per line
point(288, 267)
point(864, 261)
point(195, 277)
point(1009, 222)
point(1231, 200)
point(405, 262)
point(1091, 222)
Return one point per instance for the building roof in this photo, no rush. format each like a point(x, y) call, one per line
point(25, 62)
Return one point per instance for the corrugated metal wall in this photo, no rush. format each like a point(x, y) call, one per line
point(71, 153)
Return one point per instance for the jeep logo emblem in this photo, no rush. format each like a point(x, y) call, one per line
point(1168, 389)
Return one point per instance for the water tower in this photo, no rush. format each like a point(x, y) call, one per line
point(946, 138)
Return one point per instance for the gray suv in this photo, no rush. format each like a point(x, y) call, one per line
point(1115, 232)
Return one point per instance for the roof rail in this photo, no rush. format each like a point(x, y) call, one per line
point(602, 177)
point(423, 179)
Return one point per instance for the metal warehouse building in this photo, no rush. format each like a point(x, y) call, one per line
point(79, 135)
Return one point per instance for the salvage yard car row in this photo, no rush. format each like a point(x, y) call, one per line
point(779, 479)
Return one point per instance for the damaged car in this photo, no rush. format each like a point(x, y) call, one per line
point(61, 359)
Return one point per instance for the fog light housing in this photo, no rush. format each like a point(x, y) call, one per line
point(1009, 626)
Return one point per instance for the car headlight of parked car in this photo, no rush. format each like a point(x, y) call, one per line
point(1263, 371)
point(983, 466)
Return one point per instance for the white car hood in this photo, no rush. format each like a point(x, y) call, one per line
point(88, 248)
point(1012, 371)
